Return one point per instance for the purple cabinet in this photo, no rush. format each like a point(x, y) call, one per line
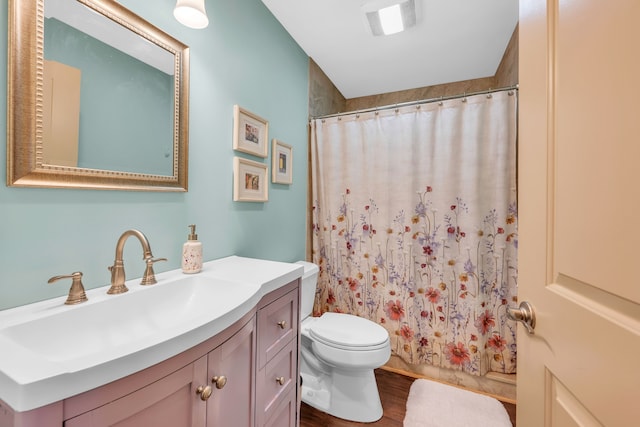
point(278, 371)
point(216, 389)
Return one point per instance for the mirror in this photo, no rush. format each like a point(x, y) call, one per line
point(97, 98)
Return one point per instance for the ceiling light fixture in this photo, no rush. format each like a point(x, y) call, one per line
point(387, 17)
point(191, 13)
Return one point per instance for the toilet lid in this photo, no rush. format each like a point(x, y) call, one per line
point(346, 330)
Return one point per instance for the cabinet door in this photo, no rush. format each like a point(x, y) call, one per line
point(230, 375)
point(168, 402)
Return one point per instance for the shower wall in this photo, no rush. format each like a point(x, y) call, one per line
point(324, 97)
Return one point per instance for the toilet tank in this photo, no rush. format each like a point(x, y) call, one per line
point(308, 288)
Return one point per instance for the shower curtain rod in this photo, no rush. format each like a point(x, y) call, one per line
point(423, 101)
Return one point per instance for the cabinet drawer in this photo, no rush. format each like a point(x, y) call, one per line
point(284, 415)
point(276, 381)
point(277, 326)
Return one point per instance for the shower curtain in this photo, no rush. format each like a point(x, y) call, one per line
point(414, 227)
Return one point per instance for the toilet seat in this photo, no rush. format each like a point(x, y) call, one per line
point(348, 332)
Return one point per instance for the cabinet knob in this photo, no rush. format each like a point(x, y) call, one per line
point(280, 380)
point(204, 392)
point(219, 381)
point(282, 324)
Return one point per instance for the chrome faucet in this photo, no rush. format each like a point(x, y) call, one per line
point(117, 269)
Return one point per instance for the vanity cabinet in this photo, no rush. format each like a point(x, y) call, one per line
point(278, 370)
point(245, 375)
point(215, 390)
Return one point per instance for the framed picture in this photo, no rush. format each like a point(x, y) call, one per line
point(281, 162)
point(250, 132)
point(250, 182)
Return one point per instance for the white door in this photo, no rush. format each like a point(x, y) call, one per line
point(579, 212)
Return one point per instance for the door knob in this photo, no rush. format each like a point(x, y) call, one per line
point(525, 314)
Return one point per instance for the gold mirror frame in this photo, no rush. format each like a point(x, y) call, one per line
point(25, 167)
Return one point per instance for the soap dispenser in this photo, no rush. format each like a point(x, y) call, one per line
point(192, 253)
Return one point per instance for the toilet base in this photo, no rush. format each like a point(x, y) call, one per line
point(351, 396)
point(315, 391)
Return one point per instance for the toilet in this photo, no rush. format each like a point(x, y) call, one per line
point(338, 355)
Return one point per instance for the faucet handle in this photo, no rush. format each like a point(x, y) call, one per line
point(149, 277)
point(76, 292)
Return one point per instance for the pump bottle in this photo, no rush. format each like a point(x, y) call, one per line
point(192, 253)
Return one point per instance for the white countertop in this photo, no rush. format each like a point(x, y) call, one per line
point(39, 366)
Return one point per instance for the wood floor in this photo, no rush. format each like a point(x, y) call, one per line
point(394, 390)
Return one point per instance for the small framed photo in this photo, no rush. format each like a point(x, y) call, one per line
point(281, 162)
point(250, 132)
point(250, 181)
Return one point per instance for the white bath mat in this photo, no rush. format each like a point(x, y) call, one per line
point(432, 404)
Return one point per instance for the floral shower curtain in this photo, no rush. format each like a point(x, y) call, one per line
point(414, 227)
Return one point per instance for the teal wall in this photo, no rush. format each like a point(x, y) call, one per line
point(244, 57)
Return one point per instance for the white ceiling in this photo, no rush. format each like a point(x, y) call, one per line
point(454, 40)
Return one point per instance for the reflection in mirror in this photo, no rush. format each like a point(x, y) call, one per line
point(120, 78)
point(110, 110)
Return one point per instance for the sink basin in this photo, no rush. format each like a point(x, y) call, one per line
point(50, 351)
point(125, 322)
